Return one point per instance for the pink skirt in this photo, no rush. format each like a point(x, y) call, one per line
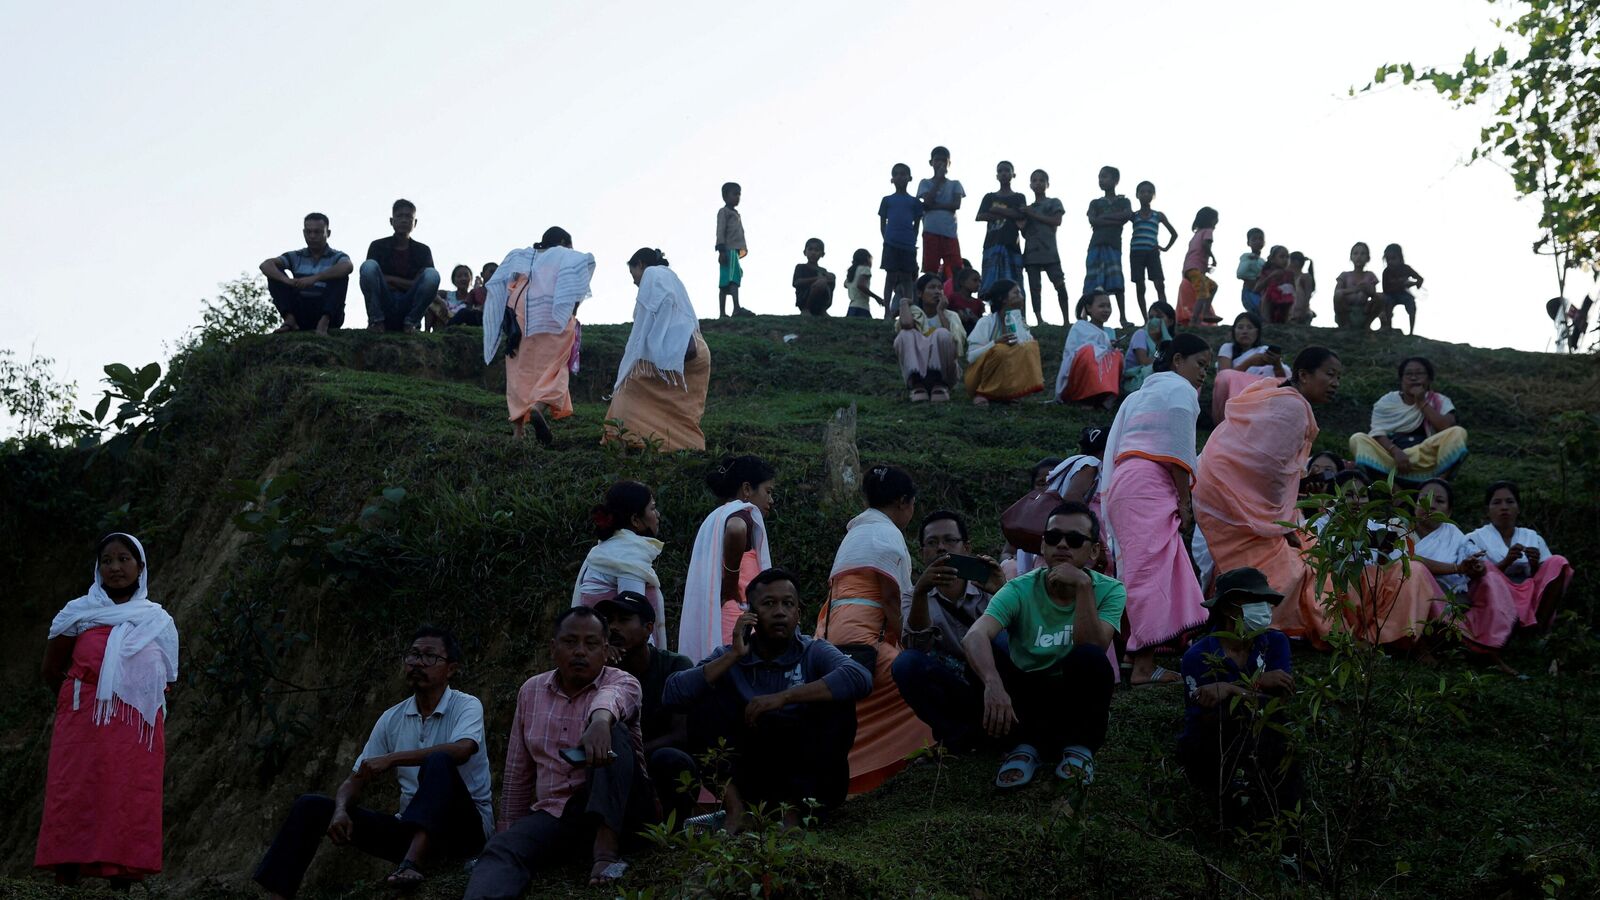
point(1527, 593)
point(1228, 383)
point(1164, 596)
point(1487, 622)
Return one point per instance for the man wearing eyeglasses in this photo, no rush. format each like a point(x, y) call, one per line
point(1050, 693)
point(931, 670)
point(433, 742)
point(308, 286)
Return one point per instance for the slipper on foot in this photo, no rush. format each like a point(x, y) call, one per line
point(1077, 762)
point(1023, 760)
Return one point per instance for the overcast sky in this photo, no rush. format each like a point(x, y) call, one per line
point(154, 150)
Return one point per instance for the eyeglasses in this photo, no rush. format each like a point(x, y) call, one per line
point(427, 659)
point(1074, 539)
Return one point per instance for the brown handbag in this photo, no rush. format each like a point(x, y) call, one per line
point(1023, 523)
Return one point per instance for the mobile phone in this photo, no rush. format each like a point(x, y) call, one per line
point(574, 755)
point(1274, 348)
point(970, 567)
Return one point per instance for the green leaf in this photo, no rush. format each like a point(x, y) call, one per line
point(119, 374)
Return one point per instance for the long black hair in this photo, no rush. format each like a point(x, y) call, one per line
point(887, 485)
point(1233, 332)
point(554, 236)
point(862, 257)
point(624, 500)
point(1205, 218)
point(1309, 360)
point(734, 472)
point(647, 257)
point(1185, 344)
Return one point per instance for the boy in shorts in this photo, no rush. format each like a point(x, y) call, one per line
point(899, 214)
point(1144, 247)
point(730, 249)
point(940, 197)
point(1040, 220)
point(1103, 264)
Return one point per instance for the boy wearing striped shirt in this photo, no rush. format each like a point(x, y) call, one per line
point(1144, 249)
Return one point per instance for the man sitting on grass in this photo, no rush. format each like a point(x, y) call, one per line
point(433, 743)
point(784, 704)
point(308, 286)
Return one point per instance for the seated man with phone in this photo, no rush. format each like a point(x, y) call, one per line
point(931, 670)
point(575, 775)
point(783, 702)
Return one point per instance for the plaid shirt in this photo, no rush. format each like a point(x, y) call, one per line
point(547, 720)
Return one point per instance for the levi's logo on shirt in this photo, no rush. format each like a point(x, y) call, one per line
point(1055, 639)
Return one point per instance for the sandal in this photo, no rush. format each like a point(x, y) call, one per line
point(1024, 760)
point(1161, 675)
point(918, 395)
point(405, 877)
point(606, 870)
point(980, 400)
point(1077, 763)
point(940, 395)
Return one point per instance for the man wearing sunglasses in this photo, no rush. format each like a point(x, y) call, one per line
point(433, 743)
point(1050, 692)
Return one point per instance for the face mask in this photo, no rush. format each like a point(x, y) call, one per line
point(1257, 616)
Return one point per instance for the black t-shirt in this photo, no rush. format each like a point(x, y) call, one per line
point(654, 721)
point(401, 263)
point(1002, 232)
point(802, 293)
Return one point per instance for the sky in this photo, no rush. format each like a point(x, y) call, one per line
point(155, 150)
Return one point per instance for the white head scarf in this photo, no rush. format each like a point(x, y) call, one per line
point(664, 325)
point(141, 654)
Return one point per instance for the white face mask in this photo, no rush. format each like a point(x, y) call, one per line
point(1257, 616)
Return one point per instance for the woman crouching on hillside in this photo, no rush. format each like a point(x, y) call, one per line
point(730, 549)
point(870, 580)
point(111, 655)
point(660, 394)
point(929, 342)
point(624, 560)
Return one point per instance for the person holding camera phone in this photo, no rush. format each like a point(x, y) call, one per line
point(783, 705)
point(931, 670)
point(1049, 692)
point(575, 775)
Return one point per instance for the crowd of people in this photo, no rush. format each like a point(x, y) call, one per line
point(1139, 546)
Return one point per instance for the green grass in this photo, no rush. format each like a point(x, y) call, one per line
point(492, 532)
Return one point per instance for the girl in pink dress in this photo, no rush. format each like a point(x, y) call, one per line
point(111, 655)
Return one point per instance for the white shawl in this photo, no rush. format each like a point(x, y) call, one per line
point(983, 333)
point(872, 541)
point(558, 280)
point(1083, 333)
point(1495, 548)
point(1444, 544)
point(141, 653)
point(1156, 422)
point(664, 325)
point(1392, 415)
point(624, 555)
point(700, 625)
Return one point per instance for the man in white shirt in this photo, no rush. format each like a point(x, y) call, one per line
point(433, 742)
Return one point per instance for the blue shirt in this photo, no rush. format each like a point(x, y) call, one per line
point(300, 263)
point(1205, 663)
point(901, 213)
point(806, 660)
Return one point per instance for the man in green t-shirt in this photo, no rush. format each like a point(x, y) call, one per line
point(1051, 691)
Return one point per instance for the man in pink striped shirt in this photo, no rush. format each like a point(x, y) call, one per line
point(550, 806)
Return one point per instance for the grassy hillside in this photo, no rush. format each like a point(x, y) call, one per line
point(284, 670)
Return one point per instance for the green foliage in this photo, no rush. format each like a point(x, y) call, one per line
point(243, 307)
point(1545, 96)
point(141, 411)
point(40, 404)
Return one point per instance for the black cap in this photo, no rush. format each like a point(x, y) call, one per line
point(627, 603)
point(1246, 585)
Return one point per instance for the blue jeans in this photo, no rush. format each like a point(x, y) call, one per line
point(391, 308)
point(950, 702)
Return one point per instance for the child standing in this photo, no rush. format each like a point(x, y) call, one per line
point(1355, 293)
point(1103, 265)
point(898, 217)
point(1197, 290)
point(858, 286)
point(1398, 280)
point(1041, 255)
point(940, 197)
point(1275, 285)
point(1305, 284)
point(1144, 246)
point(1250, 265)
point(730, 249)
point(813, 285)
point(1002, 210)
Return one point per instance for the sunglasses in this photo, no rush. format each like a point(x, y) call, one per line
point(1074, 539)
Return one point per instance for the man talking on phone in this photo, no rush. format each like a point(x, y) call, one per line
point(783, 702)
point(574, 775)
point(931, 670)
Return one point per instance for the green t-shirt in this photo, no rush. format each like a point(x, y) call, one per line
point(1039, 629)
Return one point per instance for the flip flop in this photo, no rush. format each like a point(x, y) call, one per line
point(398, 878)
point(940, 395)
point(607, 870)
point(1159, 676)
point(1077, 762)
point(918, 395)
point(1024, 759)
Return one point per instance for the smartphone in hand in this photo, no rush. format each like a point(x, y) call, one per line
point(574, 755)
point(970, 567)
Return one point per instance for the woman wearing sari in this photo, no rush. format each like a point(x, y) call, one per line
point(1245, 359)
point(1413, 432)
point(624, 560)
point(1091, 367)
point(660, 393)
point(1538, 577)
point(869, 584)
point(110, 656)
point(1002, 356)
point(1139, 362)
point(1248, 481)
point(929, 342)
point(729, 550)
point(1149, 467)
point(541, 286)
point(1485, 609)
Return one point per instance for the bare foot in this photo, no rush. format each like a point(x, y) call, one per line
point(519, 430)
